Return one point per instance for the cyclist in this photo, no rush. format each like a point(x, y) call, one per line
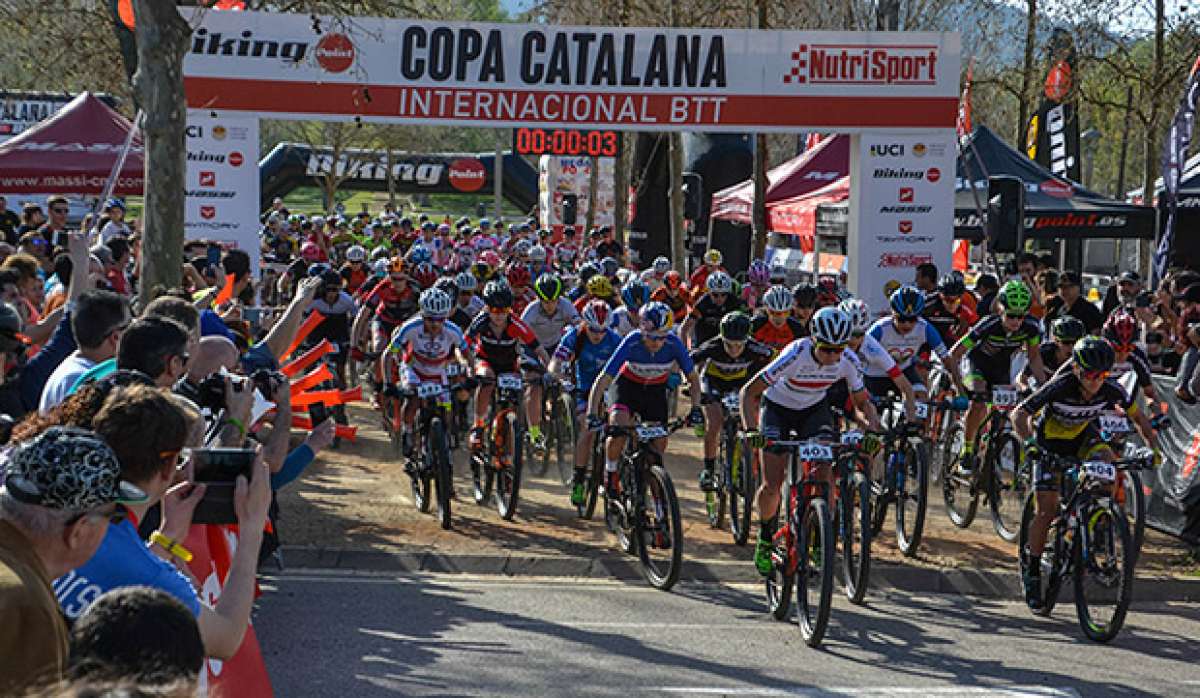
point(775, 326)
point(989, 347)
point(903, 335)
point(537, 261)
point(1121, 331)
point(658, 273)
point(1069, 406)
point(724, 363)
point(946, 311)
point(1065, 332)
point(355, 271)
point(497, 336)
point(804, 302)
point(706, 314)
point(759, 278)
point(586, 271)
point(634, 295)
point(697, 282)
point(640, 366)
point(468, 301)
point(549, 317)
point(519, 280)
point(421, 347)
point(795, 386)
point(390, 303)
point(674, 295)
point(588, 345)
point(868, 352)
point(598, 287)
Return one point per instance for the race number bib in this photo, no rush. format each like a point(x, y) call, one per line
point(815, 452)
point(852, 438)
point(732, 401)
point(509, 381)
point(1100, 471)
point(922, 410)
point(651, 431)
point(429, 390)
point(1004, 396)
point(453, 370)
point(1114, 424)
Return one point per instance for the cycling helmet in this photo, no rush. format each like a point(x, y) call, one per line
point(406, 222)
point(635, 294)
point(1094, 354)
point(1120, 329)
point(828, 292)
point(317, 270)
point(497, 294)
point(356, 253)
point(662, 265)
point(673, 279)
point(599, 286)
point(491, 259)
point(586, 271)
point(518, 275)
point(396, 265)
point(381, 267)
point(522, 247)
point(609, 266)
point(759, 273)
point(804, 295)
point(425, 275)
point(537, 253)
point(446, 285)
point(1014, 296)
point(435, 304)
point(735, 326)
point(318, 221)
point(907, 301)
point(831, 326)
point(777, 299)
point(719, 282)
point(419, 254)
point(656, 317)
point(331, 280)
point(484, 223)
point(859, 313)
point(1067, 329)
point(778, 274)
point(596, 315)
point(380, 252)
point(548, 287)
point(713, 257)
point(951, 285)
point(310, 252)
point(481, 271)
point(466, 281)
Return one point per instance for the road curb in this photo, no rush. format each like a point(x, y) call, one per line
point(997, 583)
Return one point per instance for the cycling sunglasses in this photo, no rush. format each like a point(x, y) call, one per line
point(906, 319)
point(497, 310)
point(1124, 347)
point(1094, 375)
point(1014, 316)
point(655, 337)
point(830, 348)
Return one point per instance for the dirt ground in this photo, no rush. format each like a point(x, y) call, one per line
point(359, 498)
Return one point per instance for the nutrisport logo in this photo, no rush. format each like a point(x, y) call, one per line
point(842, 64)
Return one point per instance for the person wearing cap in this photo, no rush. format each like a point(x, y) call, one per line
point(116, 226)
point(1122, 294)
point(1070, 301)
point(61, 490)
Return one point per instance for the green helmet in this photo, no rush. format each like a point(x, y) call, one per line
point(1014, 296)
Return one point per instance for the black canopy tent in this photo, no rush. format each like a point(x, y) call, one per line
point(1055, 209)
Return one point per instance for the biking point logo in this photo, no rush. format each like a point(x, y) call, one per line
point(836, 64)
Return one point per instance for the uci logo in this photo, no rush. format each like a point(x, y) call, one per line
point(194, 132)
point(883, 150)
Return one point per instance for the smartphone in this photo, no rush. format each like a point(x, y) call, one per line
point(317, 413)
point(218, 469)
point(214, 255)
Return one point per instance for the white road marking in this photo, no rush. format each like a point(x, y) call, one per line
point(883, 692)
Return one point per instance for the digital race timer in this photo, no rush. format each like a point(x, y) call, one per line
point(557, 141)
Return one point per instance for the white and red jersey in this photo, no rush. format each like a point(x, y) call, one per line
point(798, 381)
point(425, 353)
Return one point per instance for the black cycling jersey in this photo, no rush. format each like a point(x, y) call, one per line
point(708, 315)
point(500, 350)
point(988, 341)
point(1065, 412)
point(723, 372)
point(950, 324)
point(1138, 364)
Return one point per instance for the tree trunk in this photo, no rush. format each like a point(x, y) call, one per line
point(1027, 73)
point(593, 182)
point(1152, 137)
point(675, 191)
point(758, 215)
point(621, 186)
point(162, 39)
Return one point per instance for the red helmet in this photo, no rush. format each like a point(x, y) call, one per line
point(518, 275)
point(595, 315)
point(425, 275)
point(1121, 329)
point(673, 279)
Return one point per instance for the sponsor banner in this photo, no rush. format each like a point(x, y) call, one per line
point(902, 211)
point(1174, 158)
point(1052, 140)
point(399, 70)
point(222, 182)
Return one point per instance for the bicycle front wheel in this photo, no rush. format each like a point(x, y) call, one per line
point(439, 451)
point(912, 499)
point(961, 502)
point(814, 573)
point(783, 573)
point(741, 488)
point(854, 507)
point(1009, 485)
point(1103, 558)
point(592, 479)
point(661, 545)
point(511, 458)
point(1134, 506)
point(564, 437)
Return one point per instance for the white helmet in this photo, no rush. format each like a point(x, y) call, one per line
point(318, 221)
point(356, 253)
point(522, 247)
point(719, 282)
point(466, 281)
point(778, 299)
point(380, 267)
point(537, 253)
point(647, 276)
point(831, 326)
point(662, 265)
point(435, 304)
point(859, 313)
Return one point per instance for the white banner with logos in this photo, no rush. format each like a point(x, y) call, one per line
point(222, 186)
point(415, 71)
point(901, 210)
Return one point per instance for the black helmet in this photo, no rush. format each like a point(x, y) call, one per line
point(586, 271)
point(805, 295)
point(331, 278)
point(1067, 329)
point(951, 285)
point(735, 326)
point(497, 295)
point(1094, 354)
point(448, 286)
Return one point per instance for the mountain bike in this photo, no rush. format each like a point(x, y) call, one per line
point(905, 479)
point(430, 463)
point(558, 424)
point(500, 459)
point(734, 484)
point(645, 514)
point(1088, 541)
point(1000, 473)
point(1128, 491)
point(593, 475)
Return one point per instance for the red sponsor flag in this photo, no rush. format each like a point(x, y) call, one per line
point(963, 123)
point(962, 254)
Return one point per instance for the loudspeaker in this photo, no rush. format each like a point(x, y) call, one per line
point(570, 205)
point(1004, 225)
point(693, 189)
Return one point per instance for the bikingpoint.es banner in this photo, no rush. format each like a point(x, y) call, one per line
point(645, 79)
point(221, 188)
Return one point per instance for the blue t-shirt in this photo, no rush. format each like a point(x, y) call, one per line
point(589, 357)
point(211, 323)
point(633, 360)
point(122, 560)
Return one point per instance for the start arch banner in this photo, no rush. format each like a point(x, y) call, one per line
point(500, 75)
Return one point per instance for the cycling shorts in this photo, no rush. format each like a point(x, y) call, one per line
point(880, 385)
point(983, 376)
point(779, 422)
point(382, 329)
point(1084, 446)
point(713, 389)
point(484, 369)
point(647, 400)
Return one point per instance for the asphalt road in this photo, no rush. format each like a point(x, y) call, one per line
point(337, 635)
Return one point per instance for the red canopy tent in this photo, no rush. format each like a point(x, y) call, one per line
point(803, 174)
point(798, 215)
point(72, 152)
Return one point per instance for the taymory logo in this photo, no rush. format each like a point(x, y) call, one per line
point(467, 174)
point(335, 53)
point(208, 212)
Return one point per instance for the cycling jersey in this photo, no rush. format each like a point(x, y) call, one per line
point(589, 357)
point(988, 341)
point(392, 307)
point(354, 276)
point(633, 361)
point(752, 296)
point(336, 325)
point(798, 381)
point(1065, 412)
point(623, 321)
point(763, 330)
point(708, 314)
point(950, 324)
point(677, 303)
point(1136, 363)
point(426, 353)
point(904, 348)
point(725, 373)
point(549, 328)
point(523, 300)
point(461, 317)
point(1049, 353)
point(871, 353)
point(499, 349)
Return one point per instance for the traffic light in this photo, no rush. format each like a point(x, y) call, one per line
point(693, 188)
point(1005, 220)
point(570, 204)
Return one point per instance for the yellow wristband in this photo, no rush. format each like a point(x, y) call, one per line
point(172, 547)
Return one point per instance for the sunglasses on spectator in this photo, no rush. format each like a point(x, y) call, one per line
point(831, 349)
point(60, 210)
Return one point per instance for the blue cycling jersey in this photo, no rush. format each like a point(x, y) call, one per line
point(589, 357)
point(633, 361)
